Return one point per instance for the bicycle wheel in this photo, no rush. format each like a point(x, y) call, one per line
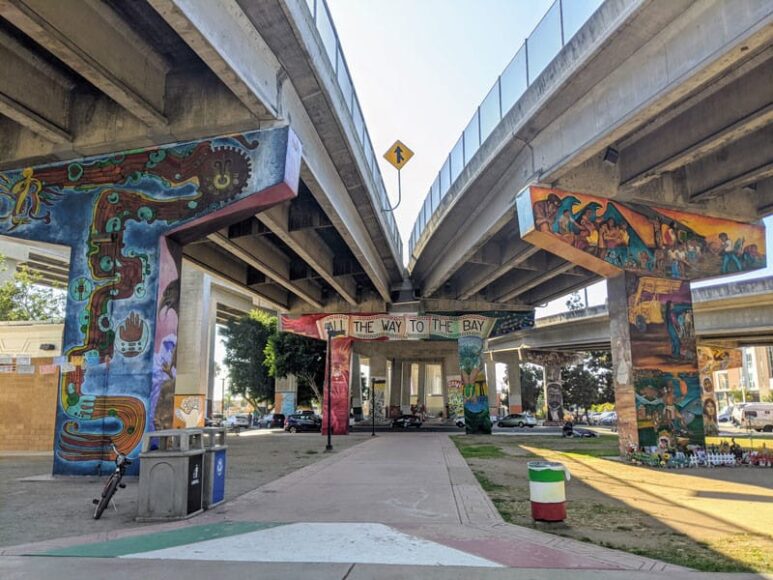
point(107, 494)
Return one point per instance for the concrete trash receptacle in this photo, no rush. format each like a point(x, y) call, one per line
point(171, 475)
point(214, 466)
point(547, 491)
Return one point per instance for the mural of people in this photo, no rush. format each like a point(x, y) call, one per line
point(710, 426)
point(555, 402)
point(476, 408)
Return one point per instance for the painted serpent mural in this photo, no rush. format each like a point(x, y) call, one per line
point(125, 217)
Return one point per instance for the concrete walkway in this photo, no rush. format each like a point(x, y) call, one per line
point(394, 501)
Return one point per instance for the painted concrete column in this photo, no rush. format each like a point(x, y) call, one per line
point(514, 385)
point(453, 394)
point(355, 386)
point(198, 313)
point(286, 395)
point(340, 359)
point(126, 216)
point(476, 400)
point(421, 399)
point(378, 376)
point(710, 360)
point(405, 389)
point(554, 394)
point(395, 383)
point(491, 380)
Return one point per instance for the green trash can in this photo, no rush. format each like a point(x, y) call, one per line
point(171, 475)
point(547, 490)
point(214, 466)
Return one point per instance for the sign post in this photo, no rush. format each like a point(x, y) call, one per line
point(398, 155)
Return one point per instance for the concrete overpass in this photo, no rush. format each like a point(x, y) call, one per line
point(84, 78)
point(661, 103)
point(726, 315)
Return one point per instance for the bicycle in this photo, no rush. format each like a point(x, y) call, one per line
point(113, 483)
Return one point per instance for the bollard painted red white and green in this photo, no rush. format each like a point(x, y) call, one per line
point(546, 490)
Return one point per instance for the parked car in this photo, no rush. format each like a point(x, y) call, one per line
point(404, 421)
point(517, 420)
point(758, 416)
point(272, 421)
point(240, 421)
point(725, 415)
point(214, 421)
point(737, 414)
point(459, 421)
point(302, 422)
point(608, 418)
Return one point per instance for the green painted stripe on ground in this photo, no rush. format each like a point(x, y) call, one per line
point(159, 540)
point(546, 475)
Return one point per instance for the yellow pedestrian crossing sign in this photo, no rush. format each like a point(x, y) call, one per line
point(398, 155)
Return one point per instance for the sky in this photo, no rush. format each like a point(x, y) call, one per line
point(420, 69)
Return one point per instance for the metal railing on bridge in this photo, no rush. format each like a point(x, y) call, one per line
point(557, 27)
point(323, 21)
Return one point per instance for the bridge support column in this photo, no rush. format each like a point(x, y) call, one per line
point(405, 388)
point(452, 393)
point(196, 349)
point(657, 385)
point(554, 394)
point(395, 387)
point(286, 395)
point(339, 373)
point(378, 376)
point(491, 380)
point(514, 385)
point(710, 360)
point(355, 387)
point(476, 399)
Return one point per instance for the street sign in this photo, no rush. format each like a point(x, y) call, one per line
point(398, 155)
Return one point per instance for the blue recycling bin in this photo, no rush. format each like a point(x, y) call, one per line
point(215, 466)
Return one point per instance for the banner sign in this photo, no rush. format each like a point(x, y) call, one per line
point(408, 326)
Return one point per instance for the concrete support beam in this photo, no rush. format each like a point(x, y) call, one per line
point(264, 257)
point(355, 383)
point(515, 255)
point(195, 362)
point(310, 248)
point(514, 384)
point(395, 382)
point(223, 37)
point(91, 38)
point(40, 96)
point(503, 292)
point(491, 380)
point(405, 388)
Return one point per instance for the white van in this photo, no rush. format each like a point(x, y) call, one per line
point(758, 416)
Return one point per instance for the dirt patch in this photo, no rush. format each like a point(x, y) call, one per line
point(707, 519)
point(40, 510)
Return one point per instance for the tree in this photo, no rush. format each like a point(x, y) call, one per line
point(293, 354)
point(589, 382)
point(531, 386)
point(245, 341)
point(23, 298)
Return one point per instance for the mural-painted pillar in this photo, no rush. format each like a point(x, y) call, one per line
point(710, 360)
point(126, 217)
point(453, 392)
point(378, 376)
point(286, 395)
point(663, 361)
point(339, 378)
point(476, 401)
point(650, 254)
point(554, 394)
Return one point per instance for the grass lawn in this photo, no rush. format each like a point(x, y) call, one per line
point(706, 519)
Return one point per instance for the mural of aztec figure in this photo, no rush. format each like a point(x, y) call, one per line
point(469, 329)
point(126, 216)
point(607, 236)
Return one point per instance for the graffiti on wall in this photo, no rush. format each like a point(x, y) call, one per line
point(455, 395)
point(125, 216)
point(189, 411)
point(609, 236)
point(476, 409)
point(378, 386)
point(669, 408)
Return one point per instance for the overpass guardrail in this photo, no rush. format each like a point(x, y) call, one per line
point(320, 14)
point(557, 27)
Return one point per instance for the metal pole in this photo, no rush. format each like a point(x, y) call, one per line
point(372, 409)
point(329, 446)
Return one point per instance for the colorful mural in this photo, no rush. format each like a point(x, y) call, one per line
point(664, 358)
point(476, 410)
point(340, 359)
point(710, 360)
point(285, 402)
point(607, 236)
point(189, 411)
point(378, 386)
point(125, 217)
point(455, 396)
point(552, 362)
